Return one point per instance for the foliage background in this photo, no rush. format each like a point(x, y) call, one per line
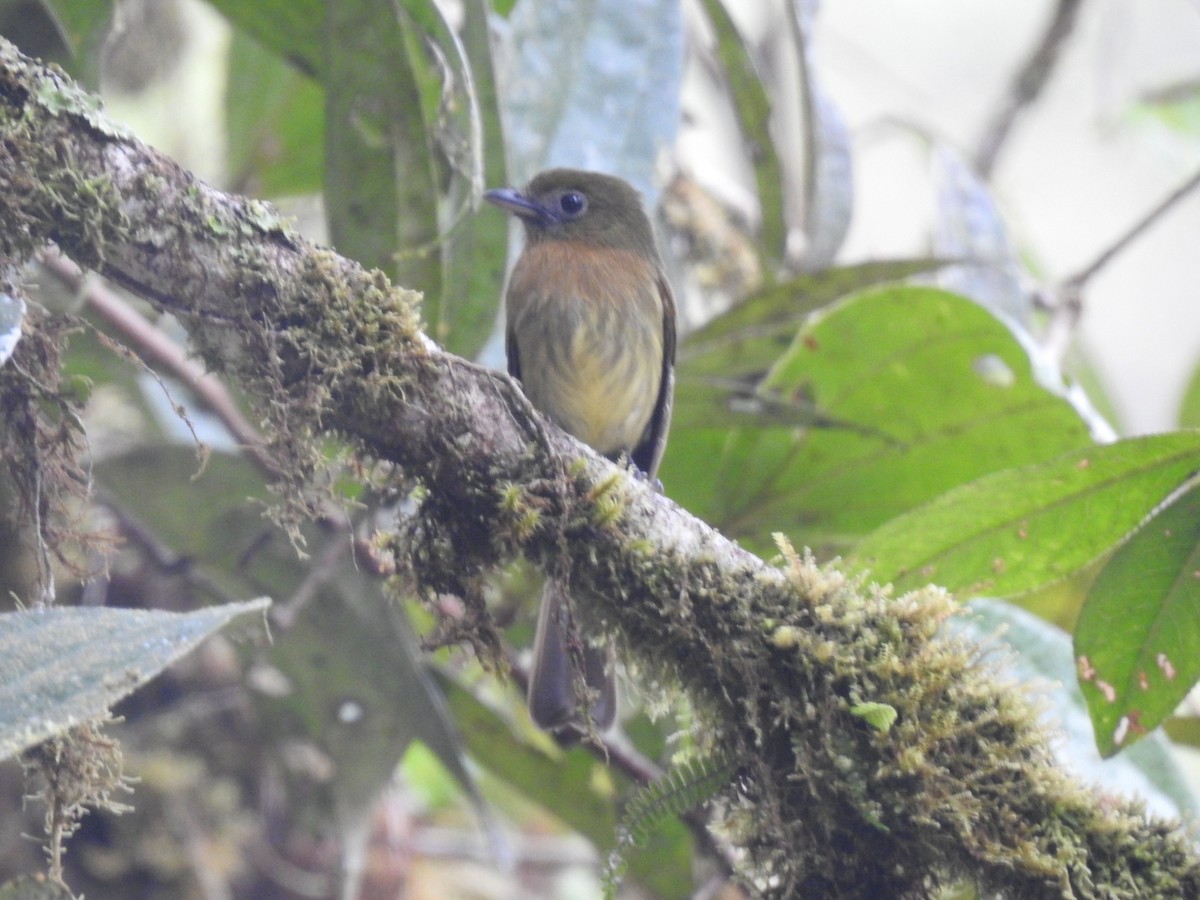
point(220, 769)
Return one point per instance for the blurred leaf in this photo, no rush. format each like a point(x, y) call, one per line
point(752, 106)
point(347, 629)
point(381, 183)
point(34, 887)
point(566, 786)
point(36, 27)
point(275, 121)
point(81, 24)
point(748, 339)
point(1183, 730)
point(828, 165)
point(1020, 529)
point(293, 29)
point(477, 249)
point(924, 391)
point(1189, 406)
point(358, 688)
point(592, 85)
point(12, 319)
point(967, 225)
point(459, 103)
point(1043, 660)
point(60, 666)
point(1138, 629)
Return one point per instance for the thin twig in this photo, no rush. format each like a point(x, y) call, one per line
point(157, 349)
point(1027, 86)
point(1066, 300)
point(1080, 278)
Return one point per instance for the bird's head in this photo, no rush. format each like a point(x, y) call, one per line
point(574, 205)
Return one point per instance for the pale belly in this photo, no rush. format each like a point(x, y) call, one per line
point(601, 385)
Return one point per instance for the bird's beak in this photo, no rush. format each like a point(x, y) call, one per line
point(515, 202)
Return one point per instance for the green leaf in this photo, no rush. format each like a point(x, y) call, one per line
point(914, 390)
point(356, 682)
point(462, 117)
point(293, 29)
point(752, 106)
point(748, 339)
point(1138, 635)
point(62, 665)
point(1041, 655)
point(275, 122)
point(567, 786)
point(381, 182)
point(81, 24)
point(1017, 530)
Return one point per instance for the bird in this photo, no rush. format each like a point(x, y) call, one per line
point(590, 336)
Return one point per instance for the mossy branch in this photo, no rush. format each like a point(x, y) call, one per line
point(776, 660)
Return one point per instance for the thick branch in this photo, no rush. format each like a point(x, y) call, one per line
point(781, 664)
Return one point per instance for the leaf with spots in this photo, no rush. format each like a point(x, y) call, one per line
point(1137, 643)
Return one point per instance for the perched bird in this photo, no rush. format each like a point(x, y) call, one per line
point(591, 337)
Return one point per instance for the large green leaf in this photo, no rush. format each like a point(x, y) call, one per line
point(567, 785)
point(753, 108)
point(1020, 529)
point(914, 391)
point(477, 248)
point(63, 665)
point(1138, 635)
point(750, 337)
point(356, 684)
point(294, 29)
point(381, 181)
point(275, 122)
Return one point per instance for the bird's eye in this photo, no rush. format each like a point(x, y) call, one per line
point(572, 203)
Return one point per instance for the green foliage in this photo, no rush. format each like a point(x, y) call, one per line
point(1136, 640)
point(877, 405)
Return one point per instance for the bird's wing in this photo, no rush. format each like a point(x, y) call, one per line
point(649, 451)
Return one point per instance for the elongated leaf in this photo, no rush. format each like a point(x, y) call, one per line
point(294, 29)
point(1020, 529)
point(1189, 406)
point(275, 120)
point(381, 195)
point(356, 680)
point(920, 391)
point(1138, 635)
point(592, 85)
point(753, 108)
point(27, 887)
point(473, 248)
point(662, 865)
point(63, 665)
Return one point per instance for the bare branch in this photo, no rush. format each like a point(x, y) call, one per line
point(1027, 86)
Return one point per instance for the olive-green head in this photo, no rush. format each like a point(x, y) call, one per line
point(574, 205)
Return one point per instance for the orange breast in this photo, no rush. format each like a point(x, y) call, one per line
point(587, 324)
